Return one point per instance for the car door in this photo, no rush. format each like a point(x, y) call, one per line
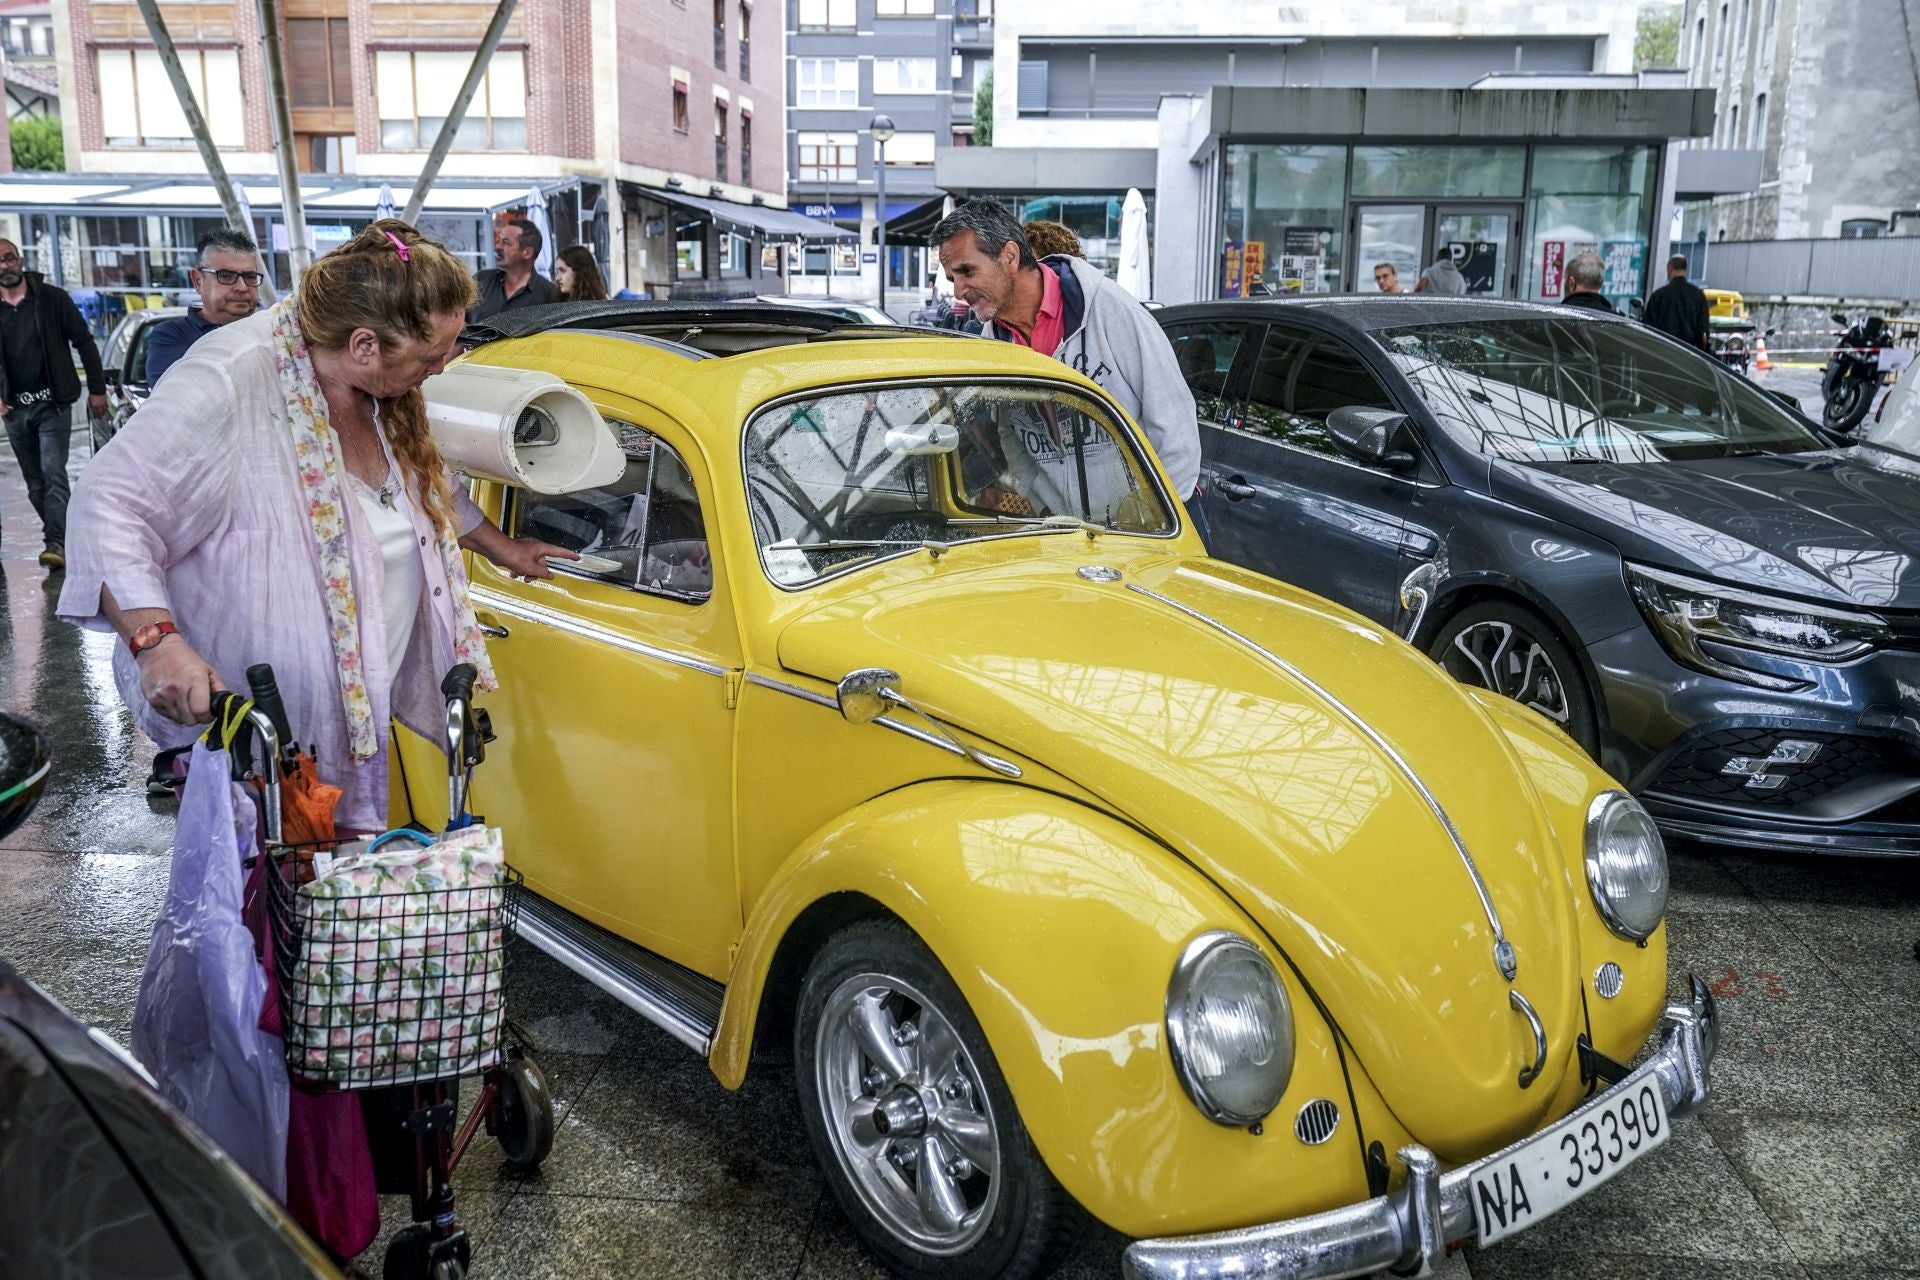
point(612, 775)
point(1213, 355)
point(1291, 504)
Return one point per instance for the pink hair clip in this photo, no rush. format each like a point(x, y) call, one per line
point(399, 246)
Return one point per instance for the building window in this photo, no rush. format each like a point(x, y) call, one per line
point(680, 123)
point(331, 153)
point(910, 151)
point(1863, 228)
point(1746, 25)
point(138, 107)
point(1733, 126)
point(720, 34)
point(746, 148)
point(903, 9)
point(1699, 51)
point(828, 157)
point(416, 89)
point(319, 63)
point(903, 75)
point(720, 140)
point(1720, 39)
point(1766, 31)
point(746, 40)
point(826, 82)
point(826, 15)
point(1759, 122)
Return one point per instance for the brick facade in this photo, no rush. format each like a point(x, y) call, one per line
point(116, 24)
point(657, 35)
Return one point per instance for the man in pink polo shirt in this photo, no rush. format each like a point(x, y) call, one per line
point(1065, 308)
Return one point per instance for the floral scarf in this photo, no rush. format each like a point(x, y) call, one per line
point(317, 457)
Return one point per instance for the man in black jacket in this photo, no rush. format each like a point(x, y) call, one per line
point(38, 388)
point(1586, 276)
point(1678, 307)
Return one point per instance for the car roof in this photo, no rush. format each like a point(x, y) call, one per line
point(1370, 311)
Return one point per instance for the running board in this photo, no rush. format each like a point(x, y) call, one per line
point(674, 998)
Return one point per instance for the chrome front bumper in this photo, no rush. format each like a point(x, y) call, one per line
point(1409, 1229)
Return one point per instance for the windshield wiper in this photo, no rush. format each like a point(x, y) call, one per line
point(1040, 524)
point(869, 544)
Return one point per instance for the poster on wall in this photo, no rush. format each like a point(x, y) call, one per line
point(1300, 273)
point(1233, 278)
point(1625, 261)
point(1254, 267)
point(1553, 263)
point(1478, 261)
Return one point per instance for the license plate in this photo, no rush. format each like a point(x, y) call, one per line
point(1553, 1169)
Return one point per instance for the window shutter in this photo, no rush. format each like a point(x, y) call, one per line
point(307, 81)
point(342, 62)
point(1032, 95)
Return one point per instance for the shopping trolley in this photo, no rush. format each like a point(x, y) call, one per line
point(390, 957)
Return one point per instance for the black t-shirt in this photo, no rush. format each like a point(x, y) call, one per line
point(494, 299)
point(21, 348)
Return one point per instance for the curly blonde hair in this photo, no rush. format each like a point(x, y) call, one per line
point(367, 284)
point(1052, 238)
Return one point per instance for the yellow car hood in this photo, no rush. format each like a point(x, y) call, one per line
point(1293, 778)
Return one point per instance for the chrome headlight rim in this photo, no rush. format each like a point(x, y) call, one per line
point(1597, 810)
point(1180, 989)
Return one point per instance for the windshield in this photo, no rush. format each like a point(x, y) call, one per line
point(845, 478)
point(1574, 390)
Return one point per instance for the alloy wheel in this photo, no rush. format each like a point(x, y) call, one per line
point(1512, 664)
point(910, 1123)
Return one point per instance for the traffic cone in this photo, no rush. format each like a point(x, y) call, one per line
point(1760, 360)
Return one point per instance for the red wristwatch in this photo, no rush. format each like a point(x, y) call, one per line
point(144, 638)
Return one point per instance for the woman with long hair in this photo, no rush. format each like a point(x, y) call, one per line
point(577, 276)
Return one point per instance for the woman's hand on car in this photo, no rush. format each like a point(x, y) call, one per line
point(527, 557)
point(177, 682)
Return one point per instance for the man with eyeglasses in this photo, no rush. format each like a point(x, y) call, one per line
point(38, 387)
point(228, 282)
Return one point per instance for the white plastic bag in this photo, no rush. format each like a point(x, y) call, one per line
point(196, 1024)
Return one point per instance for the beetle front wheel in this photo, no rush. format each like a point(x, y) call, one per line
point(911, 1119)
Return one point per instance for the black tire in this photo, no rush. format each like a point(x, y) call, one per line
point(1513, 651)
point(410, 1257)
point(1848, 399)
point(1033, 1223)
point(525, 1118)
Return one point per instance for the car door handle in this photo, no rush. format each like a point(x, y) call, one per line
point(491, 630)
point(1236, 488)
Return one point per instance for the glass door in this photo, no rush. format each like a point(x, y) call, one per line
point(1388, 235)
point(1481, 242)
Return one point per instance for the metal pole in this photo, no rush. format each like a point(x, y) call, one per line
point(882, 211)
point(279, 110)
point(451, 125)
point(833, 247)
point(202, 136)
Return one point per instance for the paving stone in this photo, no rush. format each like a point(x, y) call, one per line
point(569, 1238)
point(1529, 1264)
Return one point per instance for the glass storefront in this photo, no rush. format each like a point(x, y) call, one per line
point(1093, 216)
point(1318, 218)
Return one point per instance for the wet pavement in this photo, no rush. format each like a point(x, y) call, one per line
point(1801, 1166)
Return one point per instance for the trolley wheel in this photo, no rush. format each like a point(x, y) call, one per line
point(524, 1120)
point(410, 1257)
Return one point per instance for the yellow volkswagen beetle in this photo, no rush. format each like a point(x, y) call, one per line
point(894, 711)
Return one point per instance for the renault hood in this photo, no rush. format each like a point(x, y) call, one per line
point(1320, 771)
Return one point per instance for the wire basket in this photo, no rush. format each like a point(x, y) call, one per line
point(392, 977)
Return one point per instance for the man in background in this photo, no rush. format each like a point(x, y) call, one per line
point(1386, 278)
point(1585, 276)
point(1443, 277)
point(227, 278)
point(514, 282)
point(1678, 307)
point(38, 387)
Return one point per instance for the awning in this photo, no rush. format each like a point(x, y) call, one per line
point(776, 226)
point(916, 224)
point(321, 193)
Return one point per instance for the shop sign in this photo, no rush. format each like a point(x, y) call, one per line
point(1553, 265)
point(870, 257)
point(1478, 261)
point(1233, 278)
point(1625, 261)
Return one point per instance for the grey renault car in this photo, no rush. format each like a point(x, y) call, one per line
point(1716, 599)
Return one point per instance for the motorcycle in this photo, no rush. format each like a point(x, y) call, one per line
point(1857, 368)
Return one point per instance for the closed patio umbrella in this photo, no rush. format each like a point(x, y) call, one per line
point(1135, 277)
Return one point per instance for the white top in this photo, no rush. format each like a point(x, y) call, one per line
point(389, 516)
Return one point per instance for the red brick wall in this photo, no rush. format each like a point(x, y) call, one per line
point(658, 34)
point(560, 78)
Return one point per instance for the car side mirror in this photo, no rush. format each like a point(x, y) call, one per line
point(113, 379)
point(1838, 319)
point(923, 439)
point(865, 695)
point(1370, 435)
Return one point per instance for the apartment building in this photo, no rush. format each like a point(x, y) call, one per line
point(1824, 96)
point(915, 62)
point(635, 119)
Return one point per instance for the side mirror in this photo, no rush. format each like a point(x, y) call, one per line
point(1838, 318)
point(112, 377)
point(1370, 435)
point(865, 695)
point(1636, 308)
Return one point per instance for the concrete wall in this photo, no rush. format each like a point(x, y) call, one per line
point(1609, 23)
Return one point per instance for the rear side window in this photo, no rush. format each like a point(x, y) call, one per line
point(135, 369)
point(1206, 353)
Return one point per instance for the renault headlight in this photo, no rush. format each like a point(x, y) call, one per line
point(1710, 627)
point(1231, 1028)
point(1626, 865)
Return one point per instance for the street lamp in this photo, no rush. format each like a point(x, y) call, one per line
point(882, 131)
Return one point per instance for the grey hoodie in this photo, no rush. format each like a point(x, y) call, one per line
point(1114, 340)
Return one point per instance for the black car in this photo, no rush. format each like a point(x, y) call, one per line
point(1711, 595)
point(125, 359)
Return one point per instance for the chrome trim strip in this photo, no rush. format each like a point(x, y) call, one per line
point(1530, 1072)
point(483, 598)
point(1504, 957)
point(1410, 1229)
point(886, 722)
point(528, 927)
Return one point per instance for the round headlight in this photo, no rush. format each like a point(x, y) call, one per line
point(1230, 1027)
point(1626, 865)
